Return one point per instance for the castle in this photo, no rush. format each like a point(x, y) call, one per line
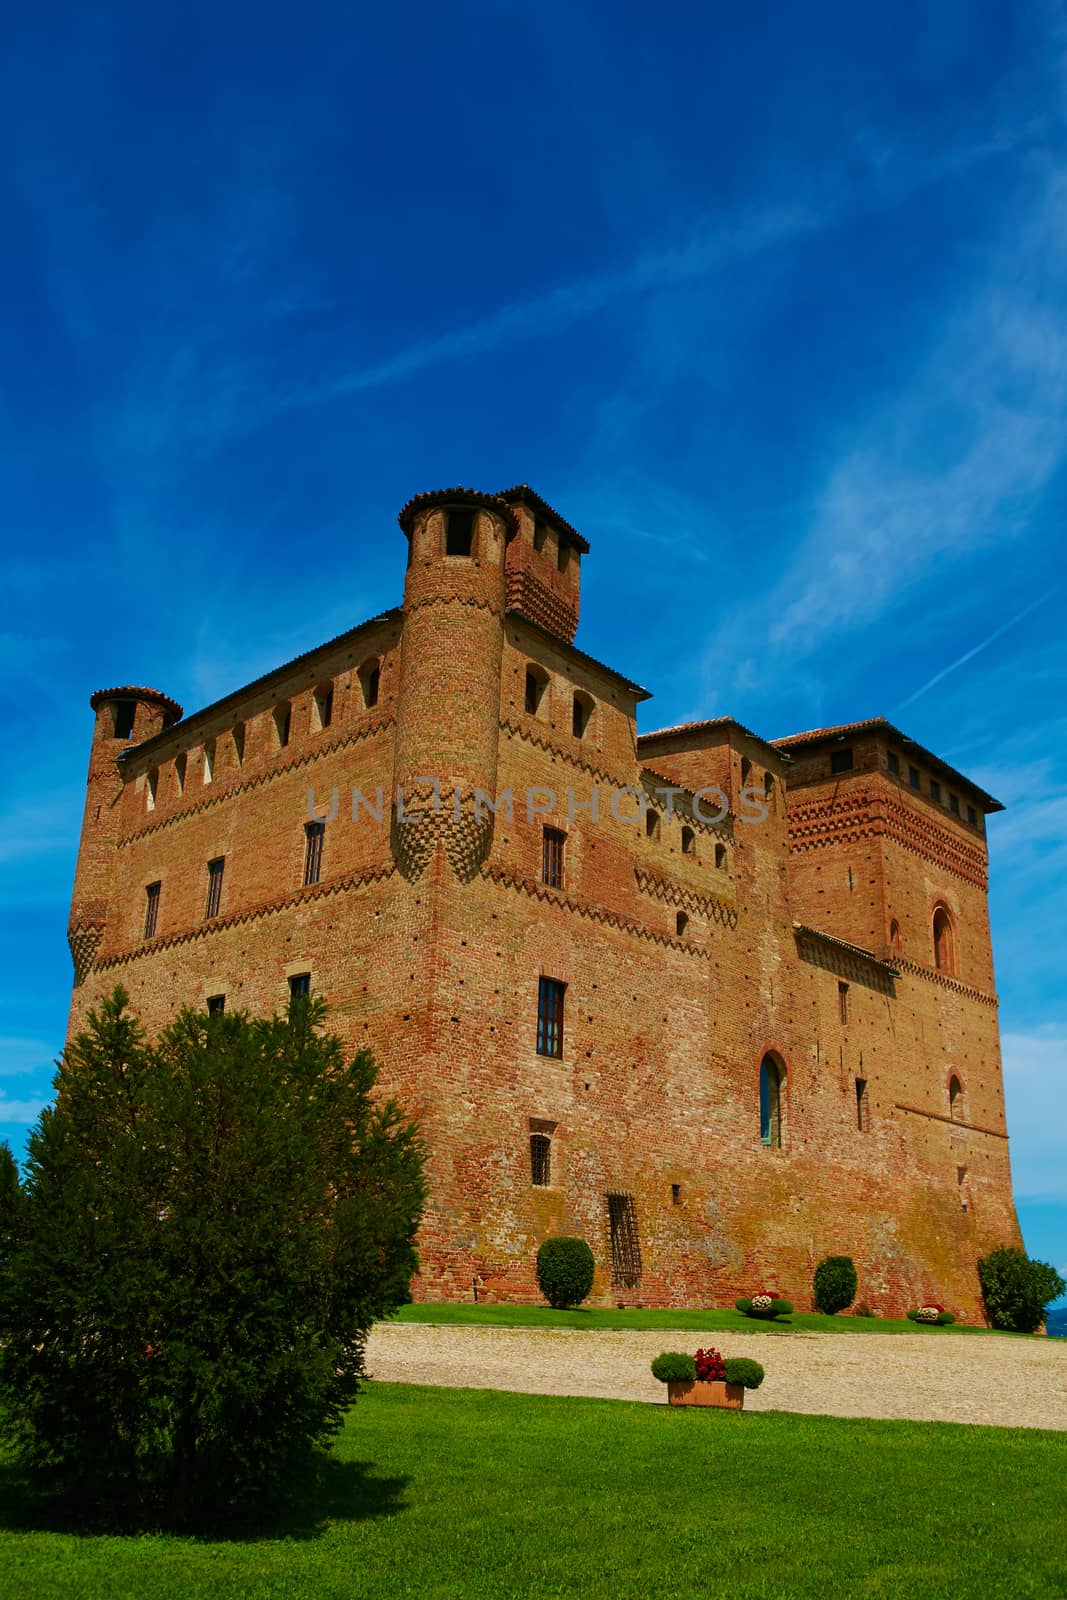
point(719, 1005)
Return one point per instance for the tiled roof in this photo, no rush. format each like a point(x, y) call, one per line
point(522, 494)
point(681, 729)
point(570, 649)
point(843, 944)
point(880, 725)
point(172, 711)
point(457, 496)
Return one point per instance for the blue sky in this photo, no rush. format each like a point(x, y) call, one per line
point(772, 304)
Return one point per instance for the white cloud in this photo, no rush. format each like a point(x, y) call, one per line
point(20, 1112)
point(1035, 1071)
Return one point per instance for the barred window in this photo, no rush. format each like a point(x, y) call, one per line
point(151, 909)
point(550, 1017)
point(625, 1240)
point(552, 857)
point(314, 833)
point(214, 886)
point(540, 1160)
point(300, 985)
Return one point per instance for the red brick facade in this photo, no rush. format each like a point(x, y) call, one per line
point(690, 949)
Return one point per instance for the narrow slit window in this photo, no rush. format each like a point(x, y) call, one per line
point(770, 1103)
point(689, 842)
point(459, 533)
point(370, 681)
point(720, 855)
point(209, 761)
point(681, 923)
point(861, 1104)
point(314, 834)
point(151, 789)
point(550, 994)
point(536, 683)
point(151, 909)
point(215, 870)
point(581, 711)
point(842, 1001)
point(552, 857)
point(283, 721)
point(239, 742)
point(180, 763)
point(324, 706)
point(651, 823)
point(955, 1099)
point(625, 1240)
point(540, 1160)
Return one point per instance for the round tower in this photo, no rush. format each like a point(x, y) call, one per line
point(124, 717)
point(448, 711)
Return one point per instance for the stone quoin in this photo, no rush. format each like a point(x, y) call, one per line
point(717, 1051)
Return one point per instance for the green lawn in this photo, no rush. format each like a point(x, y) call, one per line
point(460, 1493)
point(705, 1321)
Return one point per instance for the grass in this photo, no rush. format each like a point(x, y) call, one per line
point(460, 1493)
point(707, 1321)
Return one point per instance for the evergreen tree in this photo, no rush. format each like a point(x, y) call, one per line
point(207, 1228)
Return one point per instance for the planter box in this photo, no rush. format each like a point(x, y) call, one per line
point(728, 1395)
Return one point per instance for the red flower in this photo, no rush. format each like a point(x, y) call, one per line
point(709, 1367)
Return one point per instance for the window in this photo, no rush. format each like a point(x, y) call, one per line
point(842, 1001)
point(540, 1160)
point(540, 535)
point(314, 833)
point(550, 1017)
point(581, 711)
point(861, 1104)
point(283, 716)
point(239, 742)
point(841, 761)
point(300, 986)
point(180, 764)
point(370, 674)
point(913, 777)
point(122, 715)
point(895, 942)
point(151, 909)
point(625, 1241)
point(552, 857)
point(681, 922)
point(954, 804)
point(150, 789)
point(536, 683)
point(720, 855)
point(651, 823)
point(746, 769)
point(935, 791)
point(459, 532)
point(944, 941)
point(768, 790)
point(955, 1099)
point(214, 886)
point(563, 554)
point(676, 1194)
point(894, 763)
point(771, 1074)
point(324, 706)
point(689, 842)
point(209, 761)
point(216, 1005)
point(972, 816)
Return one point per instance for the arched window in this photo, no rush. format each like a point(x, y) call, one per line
point(282, 724)
point(208, 772)
point(180, 763)
point(536, 684)
point(369, 679)
point(771, 1081)
point(581, 713)
point(746, 770)
point(652, 823)
point(955, 1099)
point(689, 842)
point(895, 942)
point(323, 706)
point(944, 941)
point(720, 855)
point(681, 922)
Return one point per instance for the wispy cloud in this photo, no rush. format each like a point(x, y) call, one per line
point(969, 655)
point(17, 1113)
point(1034, 1064)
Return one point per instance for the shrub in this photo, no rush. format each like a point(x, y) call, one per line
point(565, 1270)
point(673, 1366)
point(863, 1310)
point(835, 1284)
point(739, 1369)
point(1016, 1289)
point(207, 1228)
point(764, 1306)
point(932, 1315)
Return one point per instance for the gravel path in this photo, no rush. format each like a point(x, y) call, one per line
point(955, 1378)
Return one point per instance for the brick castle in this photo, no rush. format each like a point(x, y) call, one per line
point(719, 1005)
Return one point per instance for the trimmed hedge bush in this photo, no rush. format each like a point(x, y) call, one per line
point(674, 1366)
point(739, 1369)
point(942, 1319)
point(564, 1270)
point(835, 1284)
point(1016, 1289)
point(777, 1308)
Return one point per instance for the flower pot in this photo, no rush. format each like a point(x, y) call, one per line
point(728, 1395)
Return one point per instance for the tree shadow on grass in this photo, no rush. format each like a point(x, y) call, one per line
point(328, 1492)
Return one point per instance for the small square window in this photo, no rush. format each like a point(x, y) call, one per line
point(893, 761)
point(913, 777)
point(216, 1005)
point(841, 760)
point(954, 804)
point(935, 791)
point(972, 816)
point(300, 985)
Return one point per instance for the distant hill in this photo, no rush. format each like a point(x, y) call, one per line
point(1057, 1323)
